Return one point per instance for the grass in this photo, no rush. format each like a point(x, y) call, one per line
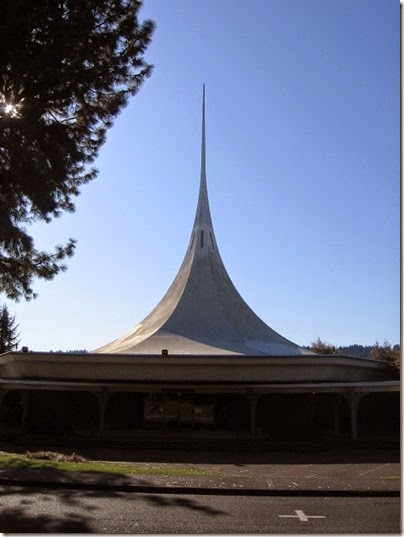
point(12, 461)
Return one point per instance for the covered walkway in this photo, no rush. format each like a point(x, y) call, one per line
point(256, 409)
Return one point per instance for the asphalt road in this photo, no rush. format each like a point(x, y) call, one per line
point(30, 510)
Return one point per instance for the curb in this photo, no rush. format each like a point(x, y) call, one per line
point(230, 485)
point(152, 489)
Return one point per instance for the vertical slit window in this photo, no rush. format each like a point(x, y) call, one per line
point(201, 239)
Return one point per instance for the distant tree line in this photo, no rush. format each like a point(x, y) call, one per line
point(75, 351)
point(386, 351)
point(359, 351)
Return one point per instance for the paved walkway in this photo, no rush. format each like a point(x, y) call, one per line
point(345, 471)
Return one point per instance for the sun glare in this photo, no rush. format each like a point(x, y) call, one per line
point(9, 109)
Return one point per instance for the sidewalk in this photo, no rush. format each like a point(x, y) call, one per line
point(345, 472)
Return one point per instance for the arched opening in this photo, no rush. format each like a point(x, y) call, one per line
point(11, 409)
point(326, 414)
point(379, 413)
point(344, 415)
point(124, 411)
point(232, 412)
point(179, 410)
point(62, 412)
point(293, 416)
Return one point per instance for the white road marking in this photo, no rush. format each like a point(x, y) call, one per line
point(373, 469)
point(301, 516)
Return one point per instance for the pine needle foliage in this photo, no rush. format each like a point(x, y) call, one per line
point(67, 68)
point(9, 336)
point(387, 353)
point(322, 347)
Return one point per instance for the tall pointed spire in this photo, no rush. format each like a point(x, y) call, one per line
point(203, 218)
point(203, 144)
point(202, 312)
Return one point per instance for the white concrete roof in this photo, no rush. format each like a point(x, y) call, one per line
point(290, 387)
point(202, 312)
point(206, 369)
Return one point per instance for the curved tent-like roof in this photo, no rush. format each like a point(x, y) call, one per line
point(202, 311)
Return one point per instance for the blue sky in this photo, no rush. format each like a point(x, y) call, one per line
point(303, 165)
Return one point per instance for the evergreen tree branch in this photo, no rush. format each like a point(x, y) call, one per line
point(67, 69)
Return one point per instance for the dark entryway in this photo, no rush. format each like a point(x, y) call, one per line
point(232, 413)
point(293, 416)
point(124, 411)
point(62, 412)
point(379, 413)
point(11, 409)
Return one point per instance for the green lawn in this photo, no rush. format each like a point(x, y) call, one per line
point(10, 461)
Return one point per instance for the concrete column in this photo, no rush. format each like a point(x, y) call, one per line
point(252, 406)
point(102, 398)
point(335, 412)
point(353, 399)
point(312, 409)
point(25, 397)
point(3, 393)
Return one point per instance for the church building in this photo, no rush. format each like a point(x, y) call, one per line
point(202, 360)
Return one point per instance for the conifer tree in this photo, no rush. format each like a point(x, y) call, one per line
point(67, 68)
point(9, 336)
point(387, 353)
point(322, 347)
